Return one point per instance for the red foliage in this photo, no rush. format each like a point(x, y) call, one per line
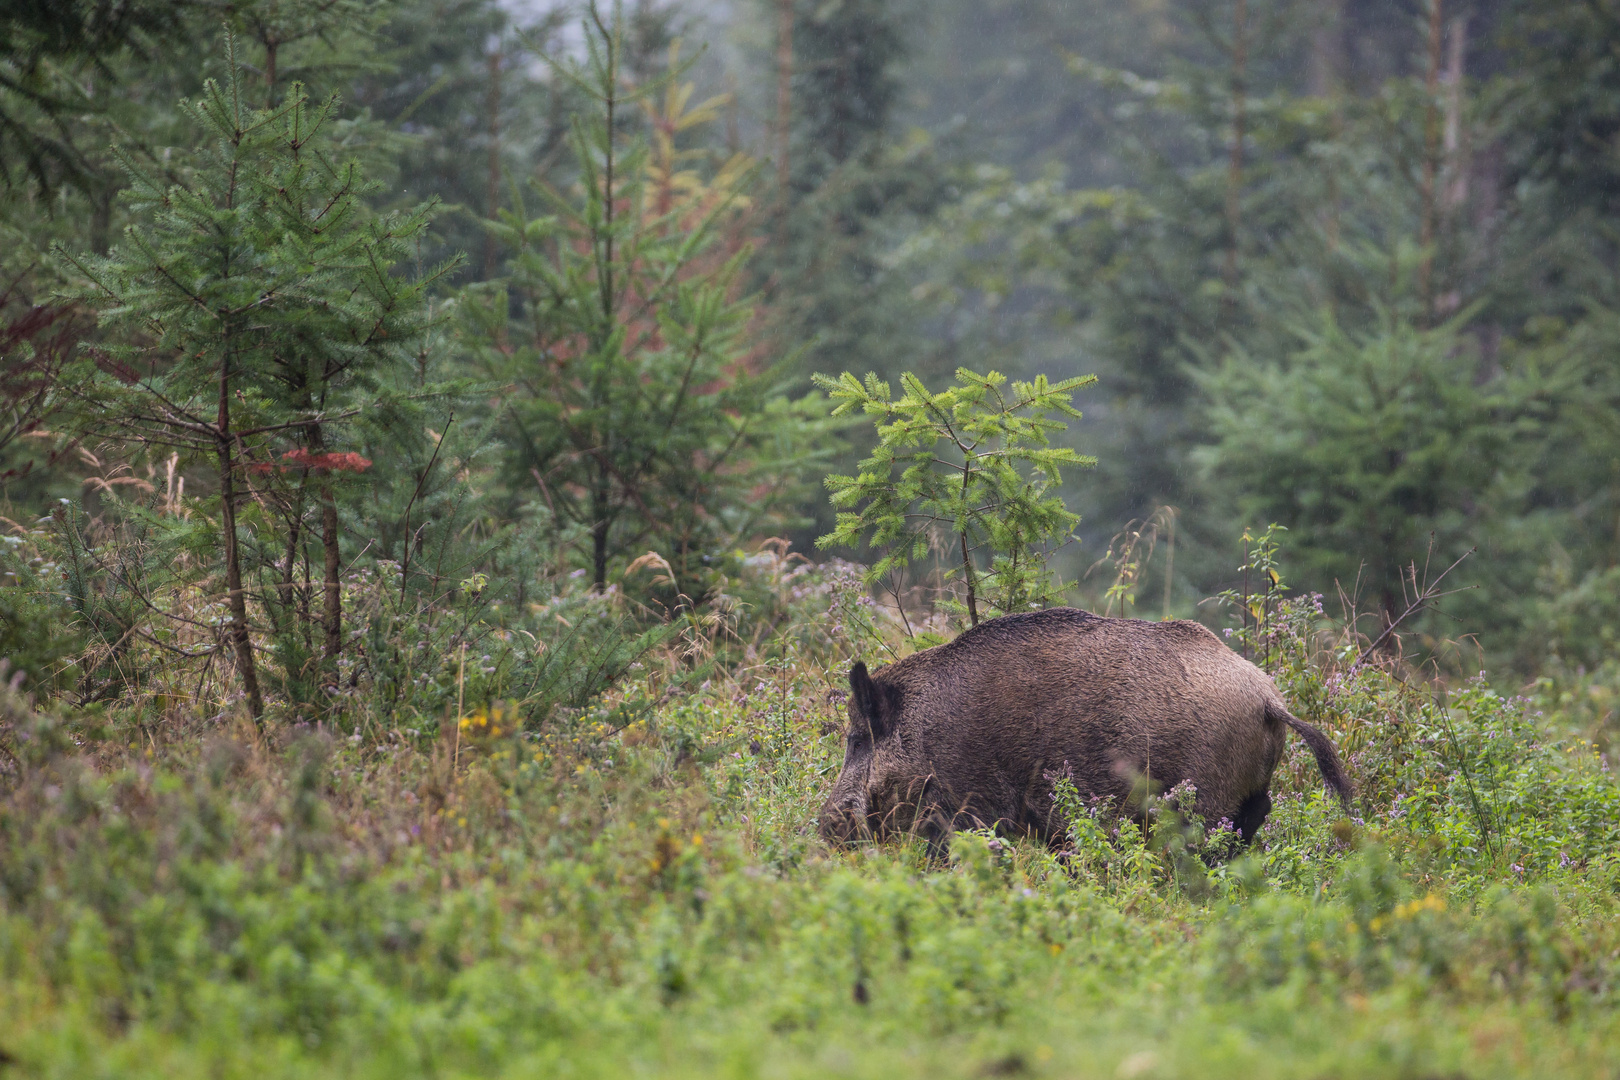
point(35, 345)
point(300, 458)
point(348, 461)
point(115, 367)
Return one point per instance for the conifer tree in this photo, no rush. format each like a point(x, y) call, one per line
point(642, 413)
point(1364, 444)
point(254, 312)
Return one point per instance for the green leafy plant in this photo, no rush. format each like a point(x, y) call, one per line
point(1129, 553)
point(1262, 588)
point(972, 468)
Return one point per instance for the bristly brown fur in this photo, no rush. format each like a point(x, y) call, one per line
point(971, 733)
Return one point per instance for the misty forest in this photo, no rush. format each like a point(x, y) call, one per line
point(460, 459)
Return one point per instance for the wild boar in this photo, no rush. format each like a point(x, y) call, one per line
point(970, 734)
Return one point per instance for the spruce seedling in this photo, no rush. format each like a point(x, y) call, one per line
point(973, 462)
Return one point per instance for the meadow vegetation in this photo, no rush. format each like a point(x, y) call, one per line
point(632, 885)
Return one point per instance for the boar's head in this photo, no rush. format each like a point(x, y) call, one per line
point(874, 713)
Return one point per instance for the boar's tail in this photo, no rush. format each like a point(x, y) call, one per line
point(1327, 759)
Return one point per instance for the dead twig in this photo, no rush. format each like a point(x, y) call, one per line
point(1424, 595)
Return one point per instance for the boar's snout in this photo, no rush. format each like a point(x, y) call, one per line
point(873, 709)
point(842, 822)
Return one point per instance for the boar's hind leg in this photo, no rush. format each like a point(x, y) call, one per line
point(1252, 814)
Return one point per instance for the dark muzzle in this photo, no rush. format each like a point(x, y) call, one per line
point(843, 825)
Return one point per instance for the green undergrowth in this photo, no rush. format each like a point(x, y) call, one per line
point(593, 899)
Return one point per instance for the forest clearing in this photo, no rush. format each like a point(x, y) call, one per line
point(470, 471)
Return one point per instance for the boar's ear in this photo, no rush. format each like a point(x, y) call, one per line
point(873, 703)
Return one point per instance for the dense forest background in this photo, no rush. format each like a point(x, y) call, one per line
point(1345, 266)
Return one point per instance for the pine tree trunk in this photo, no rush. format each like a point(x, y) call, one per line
point(967, 574)
point(600, 520)
point(1452, 184)
point(332, 615)
point(236, 598)
point(1234, 169)
point(599, 552)
point(101, 217)
point(492, 196)
point(784, 95)
point(1431, 155)
point(289, 575)
point(1325, 70)
point(332, 611)
point(1327, 80)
